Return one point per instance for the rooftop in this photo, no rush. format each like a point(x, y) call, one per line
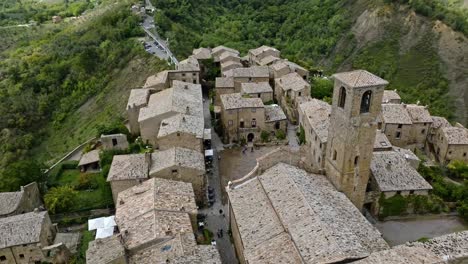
point(251, 72)
point(261, 49)
point(202, 53)
point(105, 250)
point(188, 158)
point(21, 229)
point(359, 79)
point(390, 95)
point(381, 141)
point(159, 78)
point(219, 49)
point(393, 173)
point(419, 113)
point(268, 60)
point(182, 123)
point(274, 113)
point(185, 98)
point(439, 122)
point(456, 135)
point(452, 246)
point(236, 101)
point(155, 209)
point(254, 88)
point(406, 153)
point(227, 54)
point(138, 98)
point(9, 201)
point(300, 216)
point(317, 113)
point(224, 82)
point(189, 64)
point(395, 114)
point(402, 254)
point(229, 63)
point(89, 157)
point(293, 81)
point(128, 167)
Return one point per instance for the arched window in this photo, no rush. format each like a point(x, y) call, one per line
point(366, 101)
point(342, 97)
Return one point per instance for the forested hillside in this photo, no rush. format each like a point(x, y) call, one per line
point(45, 83)
point(398, 40)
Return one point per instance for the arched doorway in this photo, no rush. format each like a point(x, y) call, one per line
point(250, 137)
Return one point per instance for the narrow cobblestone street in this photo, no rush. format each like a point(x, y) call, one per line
point(216, 215)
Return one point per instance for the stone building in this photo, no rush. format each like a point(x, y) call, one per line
point(127, 171)
point(181, 131)
point(89, 161)
point(154, 219)
point(24, 236)
point(314, 117)
point(138, 99)
point(260, 90)
point(223, 85)
point(282, 67)
point(182, 98)
point(202, 53)
point(263, 55)
point(392, 174)
point(23, 201)
point(114, 142)
point(290, 90)
point(396, 124)
point(357, 97)
point(275, 119)
point(229, 65)
point(254, 74)
point(109, 250)
point(242, 117)
point(297, 217)
point(180, 164)
point(391, 97)
point(216, 52)
point(421, 122)
point(437, 124)
point(381, 142)
point(187, 71)
point(451, 144)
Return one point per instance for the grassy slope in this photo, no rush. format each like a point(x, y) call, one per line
point(108, 105)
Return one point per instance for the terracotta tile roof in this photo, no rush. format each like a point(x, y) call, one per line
point(182, 123)
point(254, 88)
point(183, 157)
point(89, 157)
point(317, 113)
point(236, 101)
point(138, 98)
point(22, 229)
point(395, 114)
point(129, 167)
point(359, 79)
point(456, 135)
point(105, 250)
point(292, 81)
point(390, 95)
point(224, 82)
point(202, 53)
point(274, 113)
point(419, 113)
point(251, 72)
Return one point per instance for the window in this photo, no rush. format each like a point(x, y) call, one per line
point(254, 123)
point(21, 256)
point(299, 94)
point(398, 135)
point(315, 137)
point(318, 159)
point(183, 80)
point(423, 131)
point(183, 74)
point(230, 122)
point(194, 74)
point(379, 125)
point(259, 95)
point(241, 124)
point(114, 142)
point(450, 152)
point(254, 110)
point(411, 192)
point(174, 171)
point(334, 155)
point(356, 160)
point(320, 146)
point(194, 81)
point(2, 258)
point(400, 125)
point(398, 192)
point(342, 97)
point(464, 154)
point(366, 102)
point(277, 125)
point(178, 134)
point(250, 79)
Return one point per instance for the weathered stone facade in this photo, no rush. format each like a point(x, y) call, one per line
point(114, 142)
point(451, 144)
point(357, 98)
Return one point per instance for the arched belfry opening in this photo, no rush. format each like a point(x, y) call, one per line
point(342, 97)
point(366, 102)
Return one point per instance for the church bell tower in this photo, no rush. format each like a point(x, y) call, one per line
point(357, 98)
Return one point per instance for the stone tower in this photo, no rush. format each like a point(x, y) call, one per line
point(357, 98)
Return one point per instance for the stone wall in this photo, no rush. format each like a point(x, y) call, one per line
point(149, 128)
point(119, 186)
point(183, 140)
point(234, 132)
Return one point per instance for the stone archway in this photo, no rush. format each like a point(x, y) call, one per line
point(250, 137)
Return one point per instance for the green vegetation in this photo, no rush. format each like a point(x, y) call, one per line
point(321, 88)
point(301, 135)
point(458, 169)
point(449, 192)
point(80, 258)
point(265, 136)
point(417, 204)
point(60, 199)
point(395, 205)
point(280, 134)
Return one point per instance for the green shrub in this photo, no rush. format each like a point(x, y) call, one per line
point(395, 205)
point(265, 136)
point(301, 135)
point(60, 199)
point(87, 181)
point(280, 135)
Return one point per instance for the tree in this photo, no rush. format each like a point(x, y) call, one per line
point(20, 173)
point(59, 199)
point(321, 88)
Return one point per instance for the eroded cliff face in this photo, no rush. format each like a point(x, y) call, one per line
point(379, 23)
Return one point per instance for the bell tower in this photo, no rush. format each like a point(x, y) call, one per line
point(357, 98)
